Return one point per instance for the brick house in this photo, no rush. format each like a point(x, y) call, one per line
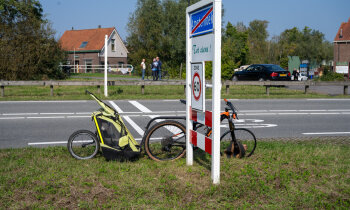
point(86, 48)
point(342, 48)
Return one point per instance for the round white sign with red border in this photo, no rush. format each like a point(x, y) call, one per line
point(197, 80)
point(196, 86)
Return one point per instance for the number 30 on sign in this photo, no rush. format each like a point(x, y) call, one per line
point(198, 86)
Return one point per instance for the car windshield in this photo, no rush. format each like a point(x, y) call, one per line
point(274, 68)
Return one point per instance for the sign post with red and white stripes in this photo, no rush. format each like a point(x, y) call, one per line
point(203, 43)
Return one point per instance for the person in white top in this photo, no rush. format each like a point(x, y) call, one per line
point(143, 67)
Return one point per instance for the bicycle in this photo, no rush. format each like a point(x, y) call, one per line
point(166, 140)
point(149, 76)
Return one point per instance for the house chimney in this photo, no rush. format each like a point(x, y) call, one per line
point(341, 33)
point(99, 26)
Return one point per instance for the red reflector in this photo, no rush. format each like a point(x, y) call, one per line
point(274, 74)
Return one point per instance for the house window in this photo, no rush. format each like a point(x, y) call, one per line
point(83, 44)
point(113, 44)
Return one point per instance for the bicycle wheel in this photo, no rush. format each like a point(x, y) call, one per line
point(166, 141)
point(245, 137)
point(83, 145)
point(165, 75)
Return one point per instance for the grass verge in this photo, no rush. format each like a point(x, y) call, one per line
point(151, 92)
point(303, 174)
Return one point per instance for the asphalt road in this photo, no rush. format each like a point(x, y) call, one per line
point(50, 123)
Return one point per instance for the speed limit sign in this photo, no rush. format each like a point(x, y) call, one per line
point(197, 86)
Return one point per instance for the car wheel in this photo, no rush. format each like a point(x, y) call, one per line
point(261, 79)
point(234, 78)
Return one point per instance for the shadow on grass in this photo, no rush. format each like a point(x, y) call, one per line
point(202, 158)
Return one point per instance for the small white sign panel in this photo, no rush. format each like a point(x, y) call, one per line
point(197, 86)
point(203, 48)
point(342, 69)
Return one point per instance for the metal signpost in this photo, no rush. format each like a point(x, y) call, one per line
point(203, 43)
point(106, 63)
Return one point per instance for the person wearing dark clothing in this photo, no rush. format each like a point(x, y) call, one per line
point(295, 74)
point(159, 68)
point(154, 68)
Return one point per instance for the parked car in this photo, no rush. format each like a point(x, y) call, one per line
point(262, 72)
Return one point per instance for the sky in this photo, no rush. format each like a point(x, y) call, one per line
point(322, 15)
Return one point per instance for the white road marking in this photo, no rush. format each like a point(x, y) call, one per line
point(134, 125)
point(12, 118)
point(325, 113)
point(57, 113)
point(78, 116)
point(128, 119)
point(58, 117)
point(292, 113)
point(12, 114)
point(10, 102)
point(251, 125)
point(116, 107)
point(282, 110)
point(252, 110)
point(259, 114)
point(313, 110)
point(326, 133)
point(141, 107)
point(83, 113)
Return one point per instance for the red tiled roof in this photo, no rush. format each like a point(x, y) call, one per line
point(344, 30)
point(71, 40)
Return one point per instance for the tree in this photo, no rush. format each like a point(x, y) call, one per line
point(27, 44)
point(257, 40)
point(158, 28)
point(308, 44)
point(235, 50)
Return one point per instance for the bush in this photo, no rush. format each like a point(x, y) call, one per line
point(331, 76)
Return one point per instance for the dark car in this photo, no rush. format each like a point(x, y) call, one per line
point(262, 72)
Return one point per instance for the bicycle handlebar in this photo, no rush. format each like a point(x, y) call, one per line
point(228, 103)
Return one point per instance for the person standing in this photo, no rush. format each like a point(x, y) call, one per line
point(143, 67)
point(159, 68)
point(154, 67)
point(295, 77)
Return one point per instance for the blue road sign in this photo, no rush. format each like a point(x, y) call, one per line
point(201, 21)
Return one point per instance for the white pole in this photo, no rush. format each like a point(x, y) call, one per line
point(105, 83)
point(216, 93)
point(189, 148)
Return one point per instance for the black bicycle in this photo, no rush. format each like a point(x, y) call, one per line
point(165, 75)
point(166, 140)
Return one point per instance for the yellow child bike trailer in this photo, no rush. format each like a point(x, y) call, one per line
point(111, 135)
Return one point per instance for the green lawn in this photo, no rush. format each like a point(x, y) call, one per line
point(151, 92)
point(281, 174)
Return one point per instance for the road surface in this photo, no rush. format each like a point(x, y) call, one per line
point(50, 123)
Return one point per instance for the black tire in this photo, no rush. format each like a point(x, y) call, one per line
point(261, 79)
point(245, 137)
point(234, 78)
point(165, 75)
point(83, 144)
point(165, 140)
